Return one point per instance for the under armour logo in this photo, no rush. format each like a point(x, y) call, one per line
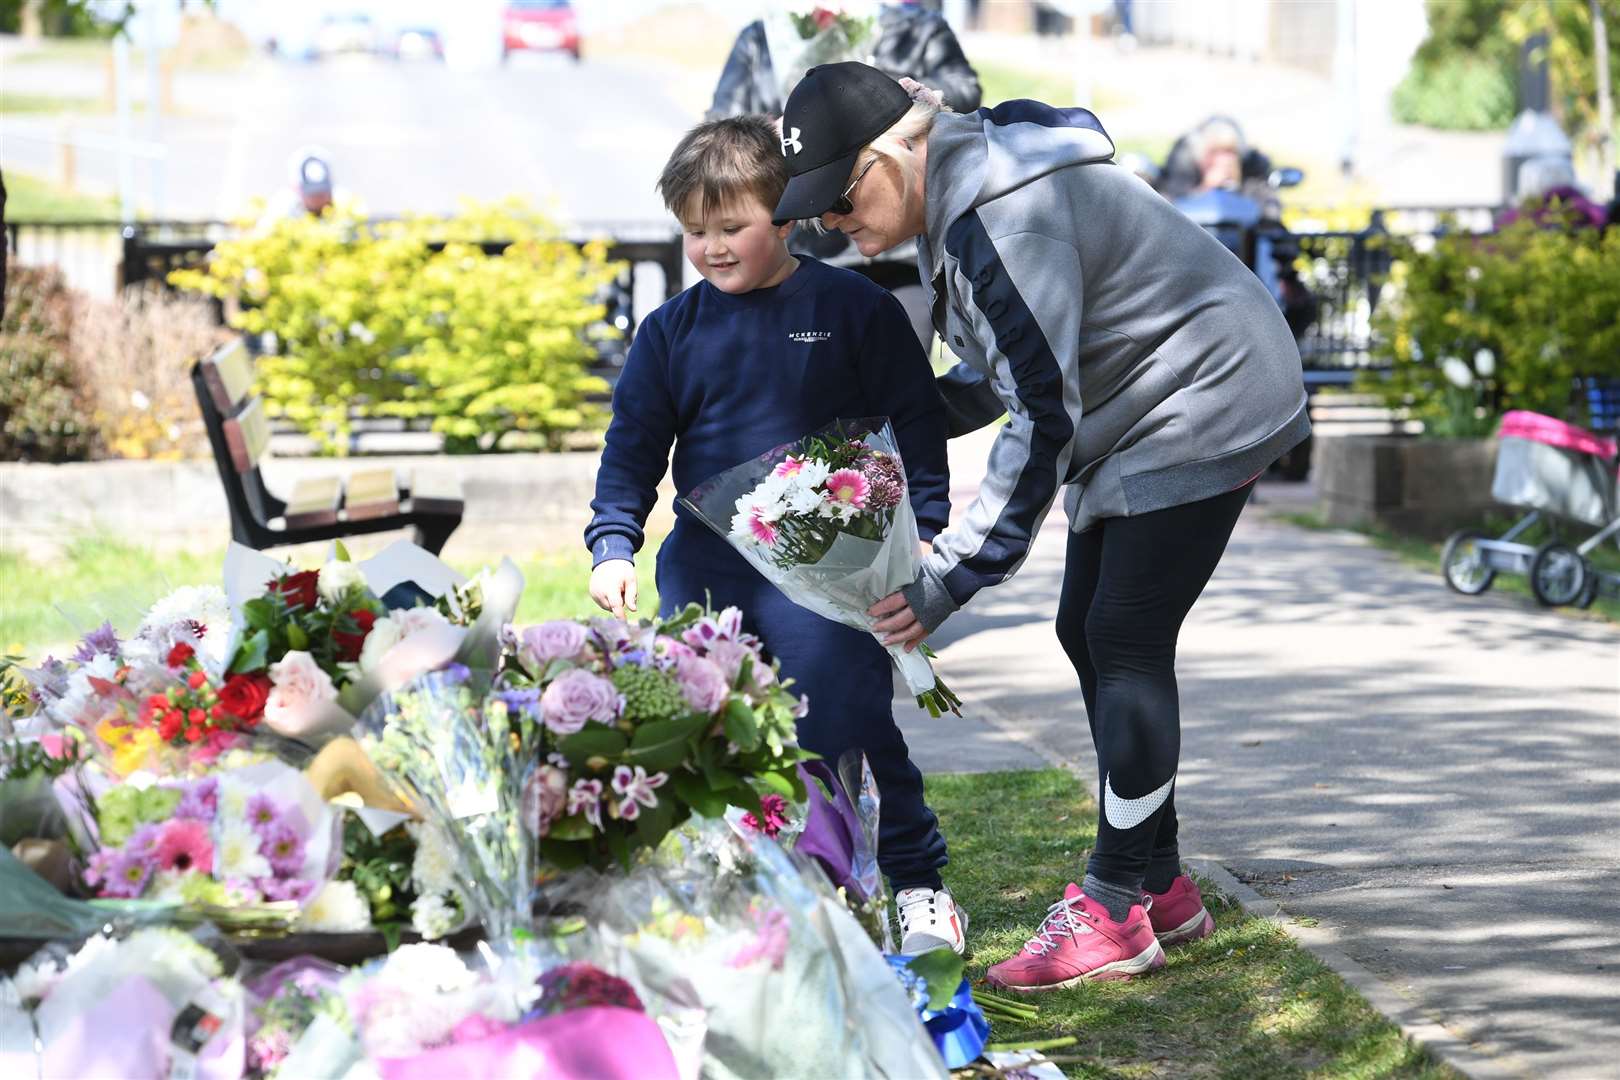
point(792, 139)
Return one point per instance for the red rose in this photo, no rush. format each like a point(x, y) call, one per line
point(299, 590)
point(180, 654)
point(169, 728)
point(823, 18)
point(243, 696)
point(197, 680)
point(194, 734)
point(350, 644)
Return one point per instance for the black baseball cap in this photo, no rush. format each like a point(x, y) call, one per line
point(834, 111)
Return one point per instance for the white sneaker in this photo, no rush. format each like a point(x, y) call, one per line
point(930, 919)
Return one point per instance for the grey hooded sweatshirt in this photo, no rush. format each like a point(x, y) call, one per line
point(1141, 364)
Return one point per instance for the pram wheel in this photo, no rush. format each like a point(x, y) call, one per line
point(1464, 565)
point(1558, 574)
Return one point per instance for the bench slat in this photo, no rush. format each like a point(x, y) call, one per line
point(436, 493)
point(373, 493)
point(248, 436)
point(229, 376)
point(314, 501)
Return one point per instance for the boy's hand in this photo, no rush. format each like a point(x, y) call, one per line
point(613, 586)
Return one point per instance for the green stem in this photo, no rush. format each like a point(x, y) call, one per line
point(1044, 1044)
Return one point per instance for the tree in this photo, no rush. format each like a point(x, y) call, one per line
point(1469, 62)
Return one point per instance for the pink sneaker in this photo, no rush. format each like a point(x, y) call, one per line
point(1078, 941)
point(1178, 914)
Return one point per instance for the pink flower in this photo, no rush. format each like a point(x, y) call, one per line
point(586, 797)
point(299, 693)
point(577, 696)
point(848, 487)
point(184, 845)
point(636, 789)
point(559, 639)
point(763, 532)
point(55, 746)
point(667, 650)
point(283, 847)
point(703, 684)
point(775, 815)
point(545, 795)
point(790, 466)
point(771, 938)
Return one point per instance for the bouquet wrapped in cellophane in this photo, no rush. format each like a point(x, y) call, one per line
point(826, 520)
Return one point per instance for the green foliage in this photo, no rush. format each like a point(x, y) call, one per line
point(1467, 68)
point(43, 408)
point(373, 321)
point(1480, 325)
point(1456, 92)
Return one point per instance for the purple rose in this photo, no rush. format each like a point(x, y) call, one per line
point(559, 639)
point(703, 685)
point(577, 696)
point(728, 656)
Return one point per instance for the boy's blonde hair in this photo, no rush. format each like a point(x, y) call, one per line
point(721, 161)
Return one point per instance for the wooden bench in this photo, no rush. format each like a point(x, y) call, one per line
point(318, 508)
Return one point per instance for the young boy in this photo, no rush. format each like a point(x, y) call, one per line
point(765, 349)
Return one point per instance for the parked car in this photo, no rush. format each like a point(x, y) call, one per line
point(348, 33)
point(539, 26)
point(418, 43)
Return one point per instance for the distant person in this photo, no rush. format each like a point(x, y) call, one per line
point(910, 42)
point(1220, 205)
point(772, 54)
point(309, 193)
point(766, 349)
point(1549, 196)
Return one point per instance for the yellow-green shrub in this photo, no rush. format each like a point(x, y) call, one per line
point(1483, 324)
point(370, 320)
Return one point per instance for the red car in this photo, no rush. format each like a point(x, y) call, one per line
point(540, 25)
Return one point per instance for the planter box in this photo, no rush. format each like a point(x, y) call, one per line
point(1420, 487)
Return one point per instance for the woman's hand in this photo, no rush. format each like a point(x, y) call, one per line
point(896, 620)
point(613, 586)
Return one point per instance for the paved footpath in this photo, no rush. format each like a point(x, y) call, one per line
point(1434, 778)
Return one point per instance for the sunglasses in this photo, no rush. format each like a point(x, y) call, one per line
point(842, 205)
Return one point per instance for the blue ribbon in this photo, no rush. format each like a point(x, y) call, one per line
point(959, 1030)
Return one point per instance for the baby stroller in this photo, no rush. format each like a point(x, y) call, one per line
point(1557, 472)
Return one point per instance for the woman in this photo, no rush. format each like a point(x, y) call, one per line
point(1144, 370)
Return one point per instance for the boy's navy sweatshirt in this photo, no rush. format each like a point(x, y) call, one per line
point(724, 378)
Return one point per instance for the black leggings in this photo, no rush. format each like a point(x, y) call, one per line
point(1127, 586)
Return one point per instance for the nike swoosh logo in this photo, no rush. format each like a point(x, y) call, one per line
point(1123, 813)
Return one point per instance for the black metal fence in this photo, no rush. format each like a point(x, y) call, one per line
point(1344, 272)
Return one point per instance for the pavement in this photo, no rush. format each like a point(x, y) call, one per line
point(1433, 779)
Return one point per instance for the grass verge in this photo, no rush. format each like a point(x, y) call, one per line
point(1246, 1002)
point(48, 604)
point(29, 198)
point(1425, 555)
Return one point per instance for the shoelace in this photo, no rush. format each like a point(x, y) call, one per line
point(1065, 916)
point(908, 910)
point(1062, 916)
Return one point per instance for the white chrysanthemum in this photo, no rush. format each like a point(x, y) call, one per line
point(434, 869)
point(236, 852)
point(804, 501)
point(813, 473)
point(337, 909)
point(427, 968)
point(432, 917)
point(232, 798)
point(336, 579)
point(202, 604)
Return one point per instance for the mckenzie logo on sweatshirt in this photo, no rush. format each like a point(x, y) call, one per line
point(809, 337)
